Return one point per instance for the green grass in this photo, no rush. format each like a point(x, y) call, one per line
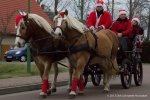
point(20, 70)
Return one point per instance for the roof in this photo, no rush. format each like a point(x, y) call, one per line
point(50, 14)
point(8, 10)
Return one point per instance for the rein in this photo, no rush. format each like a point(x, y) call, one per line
point(72, 38)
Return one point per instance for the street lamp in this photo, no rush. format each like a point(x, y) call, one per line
point(28, 49)
point(80, 6)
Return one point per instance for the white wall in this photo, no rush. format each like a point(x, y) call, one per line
point(9, 40)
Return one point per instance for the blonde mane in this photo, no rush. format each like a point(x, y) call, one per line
point(41, 22)
point(74, 23)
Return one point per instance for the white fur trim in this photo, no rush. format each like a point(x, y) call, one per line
point(122, 12)
point(136, 19)
point(99, 5)
point(72, 93)
point(91, 27)
point(103, 26)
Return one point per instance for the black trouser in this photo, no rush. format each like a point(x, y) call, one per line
point(123, 42)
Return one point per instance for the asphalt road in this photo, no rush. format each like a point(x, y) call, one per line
point(95, 93)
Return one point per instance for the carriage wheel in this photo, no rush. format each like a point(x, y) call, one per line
point(96, 76)
point(138, 72)
point(85, 79)
point(126, 75)
point(85, 75)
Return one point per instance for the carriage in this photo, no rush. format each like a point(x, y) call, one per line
point(129, 63)
point(45, 50)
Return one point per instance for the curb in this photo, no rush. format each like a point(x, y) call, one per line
point(17, 89)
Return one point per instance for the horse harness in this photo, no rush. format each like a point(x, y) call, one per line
point(73, 49)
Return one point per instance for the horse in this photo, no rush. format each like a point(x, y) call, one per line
point(36, 30)
point(100, 47)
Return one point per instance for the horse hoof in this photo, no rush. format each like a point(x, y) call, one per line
point(48, 93)
point(42, 96)
point(53, 90)
point(105, 91)
point(72, 96)
point(69, 90)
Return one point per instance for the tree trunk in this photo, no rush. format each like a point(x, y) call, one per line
point(130, 16)
point(56, 4)
point(108, 5)
point(82, 7)
point(112, 11)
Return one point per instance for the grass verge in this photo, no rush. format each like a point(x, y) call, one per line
point(20, 70)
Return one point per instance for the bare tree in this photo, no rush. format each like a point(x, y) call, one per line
point(52, 5)
point(56, 4)
point(141, 9)
point(4, 21)
point(136, 7)
point(130, 16)
point(112, 10)
point(39, 1)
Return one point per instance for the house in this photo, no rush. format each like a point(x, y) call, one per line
point(8, 14)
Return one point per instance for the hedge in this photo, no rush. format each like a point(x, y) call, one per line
point(145, 57)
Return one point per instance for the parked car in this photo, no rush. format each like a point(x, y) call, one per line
point(17, 54)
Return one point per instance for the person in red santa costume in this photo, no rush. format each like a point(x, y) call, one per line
point(137, 30)
point(122, 28)
point(99, 18)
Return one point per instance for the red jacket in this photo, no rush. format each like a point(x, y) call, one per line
point(104, 20)
point(122, 26)
point(137, 30)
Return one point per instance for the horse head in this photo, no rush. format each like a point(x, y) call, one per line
point(22, 26)
point(60, 23)
point(65, 24)
point(28, 26)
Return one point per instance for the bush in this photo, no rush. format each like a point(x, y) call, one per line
point(146, 52)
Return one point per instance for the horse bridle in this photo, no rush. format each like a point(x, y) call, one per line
point(21, 37)
point(59, 27)
point(26, 24)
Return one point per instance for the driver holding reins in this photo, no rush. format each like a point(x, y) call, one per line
point(99, 18)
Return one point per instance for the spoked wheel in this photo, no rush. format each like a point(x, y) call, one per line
point(126, 75)
point(85, 75)
point(96, 76)
point(138, 72)
point(85, 79)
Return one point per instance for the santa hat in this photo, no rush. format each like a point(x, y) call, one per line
point(18, 18)
point(62, 14)
point(100, 3)
point(136, 19)
point(122, 12)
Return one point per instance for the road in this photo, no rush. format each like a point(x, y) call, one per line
point(95, 93)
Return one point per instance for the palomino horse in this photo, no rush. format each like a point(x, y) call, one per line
point(102, 50)
point(36, 29)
